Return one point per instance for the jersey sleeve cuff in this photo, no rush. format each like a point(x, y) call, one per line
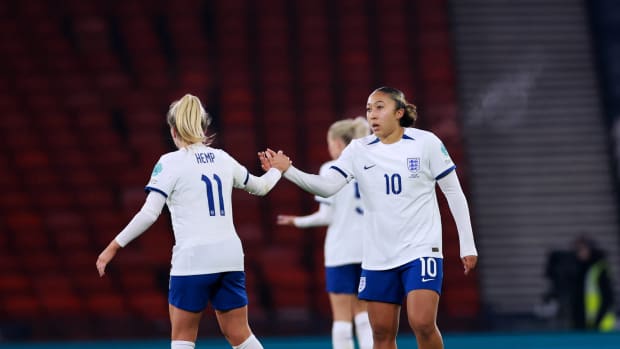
point(150, 189)
point(446, 172)
point(340, 171)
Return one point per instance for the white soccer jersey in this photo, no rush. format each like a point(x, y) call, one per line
point(343, 242)
point(397, 187)
point(197, 182)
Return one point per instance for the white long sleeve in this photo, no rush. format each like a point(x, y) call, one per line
point(451, 188)
point(321, 185)
point(322, 217)
point(143, 219)
point(263, 184)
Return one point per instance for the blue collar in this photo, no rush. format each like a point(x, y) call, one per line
point(376, 140)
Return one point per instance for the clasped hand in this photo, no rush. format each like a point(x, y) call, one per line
point(271, 159)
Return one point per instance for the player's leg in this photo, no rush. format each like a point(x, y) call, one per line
point(383, 291)
point(422, 279)
point(422, 316)
point(384, 322)
point(188, 296)
point(363, 331)
point(234, 325)
point(362, 324)
point(342, 285)
point(342, 327)
point(184, 327)
point(230, 302)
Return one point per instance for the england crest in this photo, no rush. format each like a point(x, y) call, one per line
point(362, 284)
point(413, 165)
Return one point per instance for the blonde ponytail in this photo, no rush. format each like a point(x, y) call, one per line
point(190, 120)
point(349, 129)
point(360, 127)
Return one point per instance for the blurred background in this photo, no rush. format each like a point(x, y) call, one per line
point(525, 96)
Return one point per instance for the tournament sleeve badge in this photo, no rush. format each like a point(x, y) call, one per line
point(444, 151)
point(157, 169)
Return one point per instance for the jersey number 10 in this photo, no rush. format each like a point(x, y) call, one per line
point(210, 199)
point(393, 184)
point(428, 266)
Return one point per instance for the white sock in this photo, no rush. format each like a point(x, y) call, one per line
point(182, 345)
point(342, 335)
point(250, 343)
point(363, 330)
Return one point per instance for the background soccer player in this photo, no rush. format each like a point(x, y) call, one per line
point(343, 244)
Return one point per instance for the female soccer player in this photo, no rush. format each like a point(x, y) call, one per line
point(196, 182)
point(343, 247)
point(397, 169)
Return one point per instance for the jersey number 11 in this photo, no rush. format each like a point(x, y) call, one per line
point(210, 199)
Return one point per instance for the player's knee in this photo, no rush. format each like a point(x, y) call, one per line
point(235, 334)
point(235, 337)
point(422, 327)
point(382, 333)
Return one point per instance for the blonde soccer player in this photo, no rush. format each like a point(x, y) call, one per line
point(196, 182)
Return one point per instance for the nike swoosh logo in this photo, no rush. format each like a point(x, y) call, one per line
point(427, 280)
point(369, 167)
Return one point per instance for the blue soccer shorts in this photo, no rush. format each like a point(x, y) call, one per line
point(391, 286)
point(343, 278)
point(225, 291)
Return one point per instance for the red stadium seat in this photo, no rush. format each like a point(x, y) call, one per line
point(288, 285)
point(137, 280)
point(40, 261)
point(107, 305)
point(82, 262)
point(57, 306)
point(30, 240)
point(13, 198)
point(57, 296)
point(22, 306)
point(12, 283)
point(88, 282)
point(149, 304)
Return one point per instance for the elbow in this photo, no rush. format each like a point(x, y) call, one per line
point(260, 191)
point(327, 193)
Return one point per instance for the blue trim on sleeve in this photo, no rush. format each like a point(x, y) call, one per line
point(247, 177)
point(149, 189)
point(341, 171)
point(376, 140)
point(445, 173)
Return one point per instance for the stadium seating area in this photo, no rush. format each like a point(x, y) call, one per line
point(84, 89)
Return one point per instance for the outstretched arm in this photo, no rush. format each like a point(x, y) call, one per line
point(321, 185)
point(322, 217)
point(451, 188)
point(141, 221)
point(263, 184)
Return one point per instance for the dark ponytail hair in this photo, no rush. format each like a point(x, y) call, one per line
point(411, 114)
